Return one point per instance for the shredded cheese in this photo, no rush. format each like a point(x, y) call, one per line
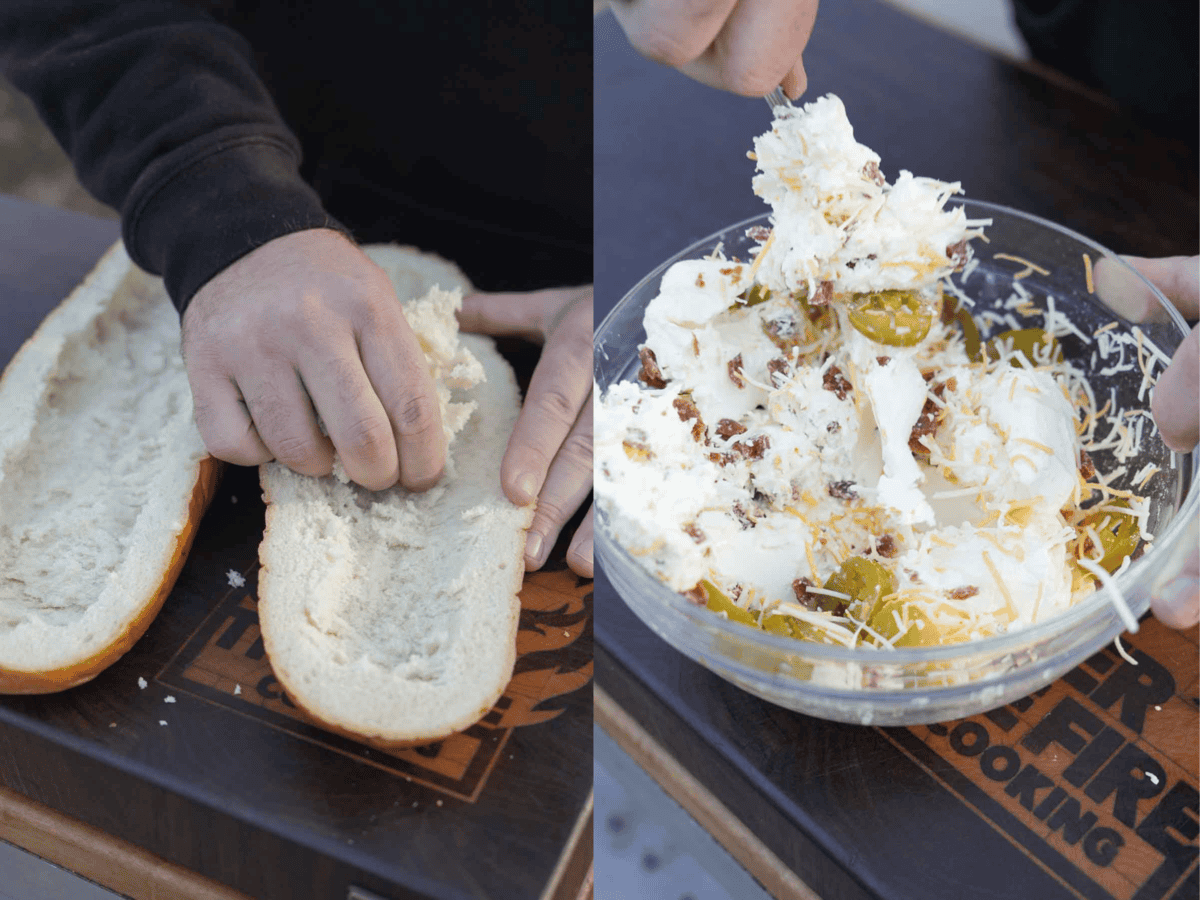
point(1115, 595)
point(1121, 650)
point(987, 560)
point(1029, 267)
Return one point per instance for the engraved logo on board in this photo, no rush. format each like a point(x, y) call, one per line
point(224, 662)
point(1093, 778)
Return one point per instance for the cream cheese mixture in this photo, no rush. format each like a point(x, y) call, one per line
point(818, 444)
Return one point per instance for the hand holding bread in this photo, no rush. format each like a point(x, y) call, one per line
point(306, 327)
point(549, 456)
point(390, 615)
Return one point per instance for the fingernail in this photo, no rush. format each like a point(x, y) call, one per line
point(527, 484)
point(579, 557)
point(1179, 601)
point(533, 548)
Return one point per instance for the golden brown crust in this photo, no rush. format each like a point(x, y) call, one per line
point(208, 474)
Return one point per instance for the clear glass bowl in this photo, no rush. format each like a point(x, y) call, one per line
point(911, 686)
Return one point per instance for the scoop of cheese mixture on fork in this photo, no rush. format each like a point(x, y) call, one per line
point(815, 450)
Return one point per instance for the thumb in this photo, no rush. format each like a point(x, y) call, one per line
point(1174, 406)
point(503, 315)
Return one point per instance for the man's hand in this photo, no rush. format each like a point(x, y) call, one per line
point(749, 47)
point(1176, 407)
point(1175, 596)
point(549, 455)
point(306, 326)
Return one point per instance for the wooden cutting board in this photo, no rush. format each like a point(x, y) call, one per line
point(187, 748)
point(1087, 789)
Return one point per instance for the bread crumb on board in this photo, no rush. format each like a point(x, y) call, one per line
point(237, 689)
point(168, 699)
point(236, 578)
point(141, 683)
point(162, 721)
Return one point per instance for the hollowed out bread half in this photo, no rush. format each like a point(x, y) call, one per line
point(103, 479)
point(392, 616)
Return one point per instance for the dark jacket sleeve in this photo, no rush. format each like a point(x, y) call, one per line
point(164, 118)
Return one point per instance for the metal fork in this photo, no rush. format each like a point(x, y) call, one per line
point(777, 98)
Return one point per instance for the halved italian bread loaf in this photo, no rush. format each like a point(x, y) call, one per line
point(103, 479)
point(392, 616)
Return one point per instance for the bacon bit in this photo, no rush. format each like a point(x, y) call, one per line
point(962, 593)
point(871, 172)
point(739, 513)
point(722, 459)
point(697, 595)
point(931, 416)
point(733, 270)
point(823, 295)
point(949, 310)
point(886, 546)
point(650, 375)
point(687, 409)
point(695, 344)
point(727, 428)
point(833, 427)
point(841, 490)
point(957, 254)
point(783, 332)
point(926, 424)
point(758, 233)
point(834, 381)
point(1087, 468)
point(700, 279)
point(800, 588)
point(754, 449)
point(883, 360)
point(694, 532)
point(735, 371)
point(779, 370)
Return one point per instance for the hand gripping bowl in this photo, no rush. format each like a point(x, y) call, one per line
point(910, 686)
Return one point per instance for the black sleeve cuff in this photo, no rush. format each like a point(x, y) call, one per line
point(199, 209)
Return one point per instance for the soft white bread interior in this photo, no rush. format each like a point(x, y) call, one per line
point(392, 616)
point(103, 479)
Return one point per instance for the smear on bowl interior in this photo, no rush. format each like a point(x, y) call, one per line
point(820, 445)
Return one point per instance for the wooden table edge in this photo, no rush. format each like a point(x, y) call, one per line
point(572, 876)
point(714, 817)
point(110, 862)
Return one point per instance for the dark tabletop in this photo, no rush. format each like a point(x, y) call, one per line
point(852, 810)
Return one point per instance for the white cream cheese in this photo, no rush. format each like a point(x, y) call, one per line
point(786, 441)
